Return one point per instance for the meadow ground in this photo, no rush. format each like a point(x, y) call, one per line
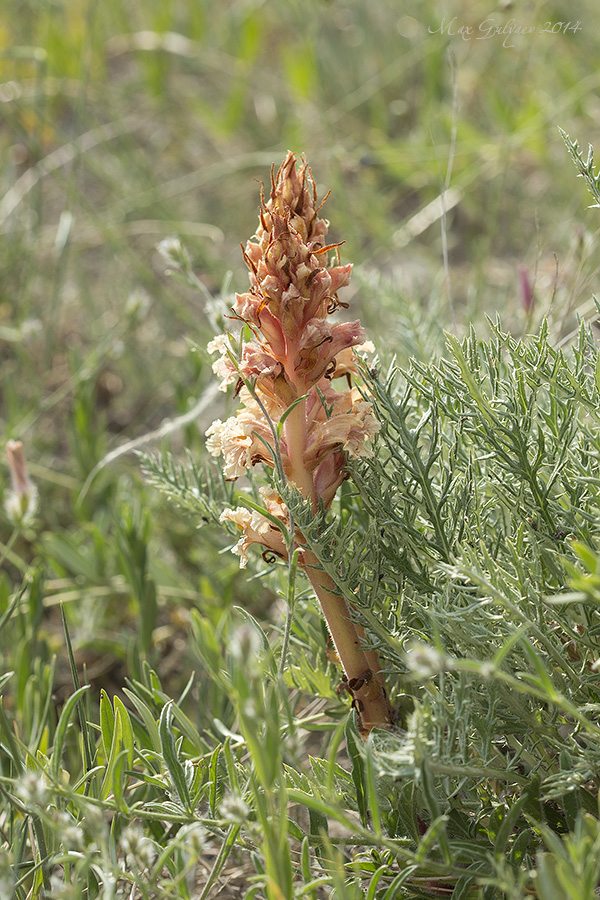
point(436, 128)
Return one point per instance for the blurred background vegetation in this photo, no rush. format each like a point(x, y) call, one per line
point(126, 123)
point(122, 124)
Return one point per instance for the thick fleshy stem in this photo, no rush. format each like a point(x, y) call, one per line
point(362, 668)
point(295, 437)
point(364, 678)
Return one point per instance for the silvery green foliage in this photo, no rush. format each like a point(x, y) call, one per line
point(199, 491)
point(467, 547)
point(585, 167)
point(486, 477)
point(458, 542)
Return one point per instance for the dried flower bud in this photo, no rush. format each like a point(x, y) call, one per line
point(21, 502)
point(527, 295)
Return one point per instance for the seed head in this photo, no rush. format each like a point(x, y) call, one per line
point(234, 809)
point(32, 789)
point(139, 850)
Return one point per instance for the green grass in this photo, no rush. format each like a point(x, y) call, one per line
point(125, 124)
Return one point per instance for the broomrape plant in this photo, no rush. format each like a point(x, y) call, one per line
point(293, 419)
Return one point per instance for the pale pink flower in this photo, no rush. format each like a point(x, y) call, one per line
point(224, 366)
point(258, 363)
point(344, 431)
point(257, 529)
point(329, 475)
point(320, 343)
point(345, 360)
point(295, 350)
point(232, 439)
point(238, 440)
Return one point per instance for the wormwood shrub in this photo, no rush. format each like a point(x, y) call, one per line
point(466, 546)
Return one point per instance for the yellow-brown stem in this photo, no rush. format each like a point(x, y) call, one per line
point(294, 430)
point(372, 657)
point(362, 668)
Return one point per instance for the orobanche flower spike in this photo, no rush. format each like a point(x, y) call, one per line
point(284, 377)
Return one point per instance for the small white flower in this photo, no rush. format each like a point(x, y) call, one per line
point(32, 789)
point(232, 439)
point(71, 834)
point(21, 508)
point(256, 528)
point(219, 344)
point(488, 669)
point(138, 849)
point(223, 367)
point(138, 304)
point(193, 838)
point(174, 253)
point(425, 661)
point(234, 809)
point(30, 329)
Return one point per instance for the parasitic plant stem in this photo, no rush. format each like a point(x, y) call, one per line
point(297, 353)
point(295, 438)
point(361, 667)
